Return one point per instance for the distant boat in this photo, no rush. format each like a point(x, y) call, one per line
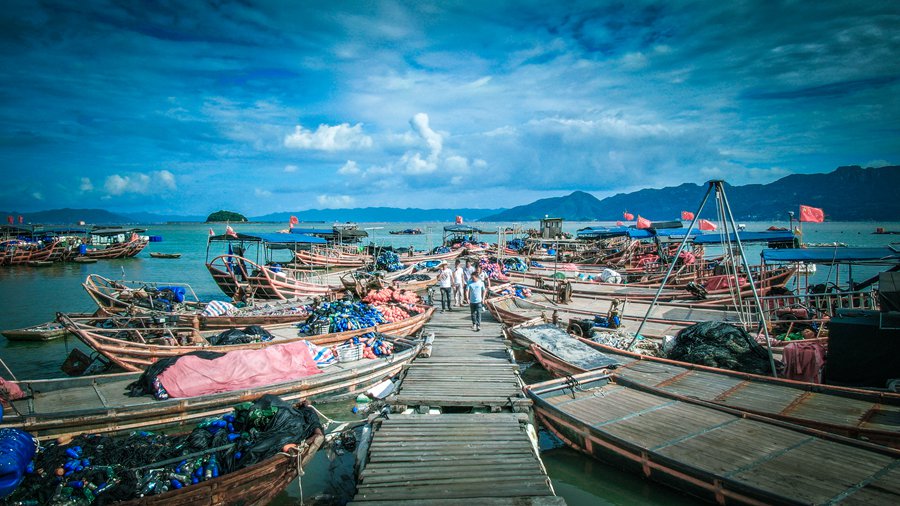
point(156, 254)
point(408, 231)
point(882, 231)
point(41, 332)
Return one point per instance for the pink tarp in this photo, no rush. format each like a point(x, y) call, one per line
point(804, 361)
point(191, 376)
point(722, 282)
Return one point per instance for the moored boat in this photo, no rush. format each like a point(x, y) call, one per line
point(157, 254)
point(717, 454)
point(41, 332)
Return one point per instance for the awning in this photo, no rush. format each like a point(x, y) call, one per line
point(271, 238)
point(785, 236)
point(832, 255)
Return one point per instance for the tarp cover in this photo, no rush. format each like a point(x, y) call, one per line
point(192, 376)
point(571, 350)
point(831, 255)
point(781, 236)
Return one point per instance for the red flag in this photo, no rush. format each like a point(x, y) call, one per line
point(10, 219)
point(230, 231)
point(211, 233)
point(643, 222)
point(21, 219)
point(294, 220)
point(812, 214)
point(707, 225)
point(628, 216)
point(687, 216)
point(619, 223)
point(290, 226)
point(459, 220)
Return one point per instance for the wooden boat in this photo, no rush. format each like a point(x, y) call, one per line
point(360, 283)
point(157, 254)
point(717, 454)
point(42, 332)
point(69, 406)
point(862, 414)
point(125, 249)
point(408, 231)
point(233, 273)
point(39, 263)
point(134, 349)
point(331, 258)
point(131, 297)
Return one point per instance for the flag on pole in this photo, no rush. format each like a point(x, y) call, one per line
point(21, 219)
point(10, 219)
point(459, 220)
point(643, 222)
point(707, 225)
point(687, 216)
point(628, 216)
point(230, 231)
point(811, 214)
point(294, 220)
point(211, 233)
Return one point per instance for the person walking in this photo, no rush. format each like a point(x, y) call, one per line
point(445, 282)
point(477, 290)
point(467, 274)
point(459, 284)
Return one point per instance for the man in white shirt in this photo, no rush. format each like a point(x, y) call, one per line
point(477, 291)
point(445, 282)
point(459, 284)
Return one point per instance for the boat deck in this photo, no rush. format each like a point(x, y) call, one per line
point(460, 455)
point(722, 454)
point(466, 370)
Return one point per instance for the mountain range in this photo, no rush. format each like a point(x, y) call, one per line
point(846, 194)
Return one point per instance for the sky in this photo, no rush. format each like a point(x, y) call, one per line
point(190, 107)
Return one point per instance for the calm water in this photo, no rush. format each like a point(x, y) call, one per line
point(33, 295)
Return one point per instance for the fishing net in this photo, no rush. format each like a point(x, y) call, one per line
point(718, 344)
point(389, 261)
point(413, 277)
point(251, 334)
point(99, 469)
point(342, 315)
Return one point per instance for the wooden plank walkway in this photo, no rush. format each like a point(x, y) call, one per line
point(467, 369)
point(459, 456)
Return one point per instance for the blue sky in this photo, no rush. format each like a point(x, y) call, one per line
point(189, 107)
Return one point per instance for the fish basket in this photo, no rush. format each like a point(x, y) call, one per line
point(350, 352)
point(321, 327)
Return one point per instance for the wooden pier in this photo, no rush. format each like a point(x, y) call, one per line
point(481, 449)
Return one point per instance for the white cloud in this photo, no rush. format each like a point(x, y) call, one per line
point(86, 184)
point(349, 168)
point(142, 184)
point(334, 201)
point(290, 168)
point(329, 138)
point(456, 164)
point(877, 163)
point(260, 193)
point(435, 142)
point(38, 195)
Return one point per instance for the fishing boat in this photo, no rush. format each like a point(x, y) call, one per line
point(715, 453)
point(135, 343)
point(107, 243)
point(69, 406)
point(157, 254)
point(41, 332)
point(407, 231)
point(142, 298)
point(863, 414)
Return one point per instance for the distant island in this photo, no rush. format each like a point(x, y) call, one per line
point(225, 216)
point(846, 194)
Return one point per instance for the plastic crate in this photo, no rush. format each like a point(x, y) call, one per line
point(321, 327)
point(349, 352)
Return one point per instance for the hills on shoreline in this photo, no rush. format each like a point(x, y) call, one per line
point(846, 194)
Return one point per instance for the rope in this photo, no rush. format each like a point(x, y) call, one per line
point(13, 376)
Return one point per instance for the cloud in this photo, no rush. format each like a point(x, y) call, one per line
point(334, 201)
point(877, 163)
point(349, 168)
point(260, 193)
point(329, 138)
point(86, 184)
point(38, 195)
point(290, 168)
point(155, 182)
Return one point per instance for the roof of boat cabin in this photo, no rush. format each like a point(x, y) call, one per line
point(832, 255)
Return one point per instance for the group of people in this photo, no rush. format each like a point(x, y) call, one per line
point(464, 284)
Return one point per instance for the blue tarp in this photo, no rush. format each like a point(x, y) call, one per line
point(781, 236)
point(632, 232)
point(831, 255)
point(312, 231)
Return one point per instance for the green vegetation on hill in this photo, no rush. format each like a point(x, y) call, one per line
point(225, 216)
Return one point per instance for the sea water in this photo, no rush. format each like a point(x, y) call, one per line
point(34, 295)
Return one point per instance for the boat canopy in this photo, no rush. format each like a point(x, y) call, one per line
point(271, 238)
point(780, 236)
point(880, 255)
point(631, 232)
point(105, 231)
